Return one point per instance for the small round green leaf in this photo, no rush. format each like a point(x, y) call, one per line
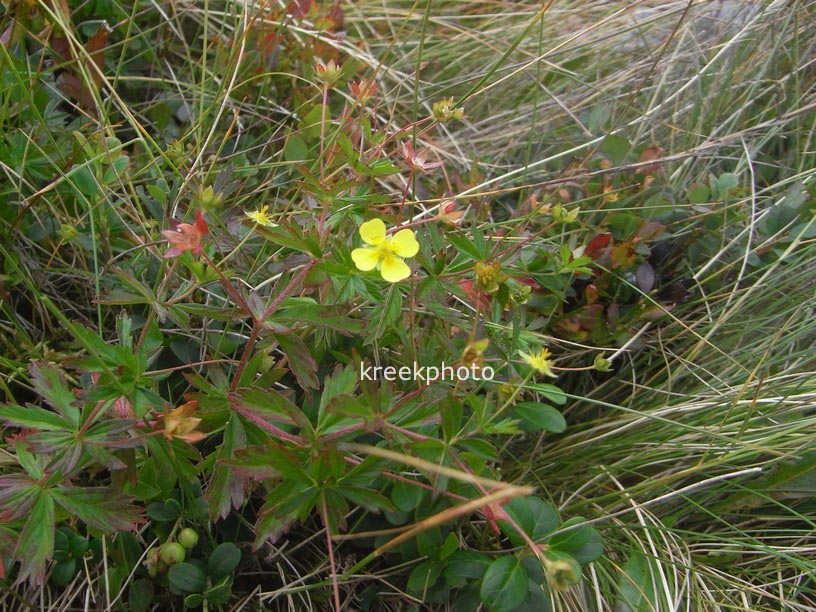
point(406, 496)
point(193, 601)
point(504, 586)
point(186, 578)
point(223, 561)
point(64, 572)
point(536, 517)
point(423, 577)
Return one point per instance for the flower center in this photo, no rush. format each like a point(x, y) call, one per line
point(385, 249)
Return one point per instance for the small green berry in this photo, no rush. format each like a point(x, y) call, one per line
point(188, 538)
point(172, 553)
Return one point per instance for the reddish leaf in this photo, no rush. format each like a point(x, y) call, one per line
point(649, 231)
point(478, 298)
point(96, 49)
point(225, 491)
point(623, 254)
point(99, 507)
point(69, 81)
point(597, 247)
point(648, 154)
point(299, 8)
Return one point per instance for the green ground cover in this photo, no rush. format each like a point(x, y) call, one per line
point(240, 242)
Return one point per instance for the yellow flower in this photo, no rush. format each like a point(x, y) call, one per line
point(261, 217)
point(540, 362)
point(386, 252)
point(180, 423)
point(444, 110)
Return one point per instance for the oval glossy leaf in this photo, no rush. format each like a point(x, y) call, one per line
point(534, 516)
point(504, 586)
point(186, 578)
point(423, 577)
point(223, 561)
point(464, 565)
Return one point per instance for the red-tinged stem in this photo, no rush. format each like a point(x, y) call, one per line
point(253, 336)
point(342, 432)
point(189, 365)
point(406, 432)
point(405, 399)
point(397, 228)
point(325, 106)
point(332, 563)
point(504, 516)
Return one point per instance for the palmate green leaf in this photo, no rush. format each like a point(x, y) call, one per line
point(303, 365)
point(50, 385)
point(504, 586)
point(36, 542)
point(306, 310)
point(463, 245)
point(364, 473)
point(18, 494)
point(342, 406)
point(284, 505)
point(406, 496)
point(8, 541)
point(270, 461)
point(366, 498)
point(224, 491)
point(269, 405)
point(99, 507)
point(289, 236)
point(33, 417)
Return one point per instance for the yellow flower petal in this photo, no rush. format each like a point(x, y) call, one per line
point(261, 217)
point(373, 232)
point(394, 269)
point(365, 259)
point(540, 362)
point(404, 243)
